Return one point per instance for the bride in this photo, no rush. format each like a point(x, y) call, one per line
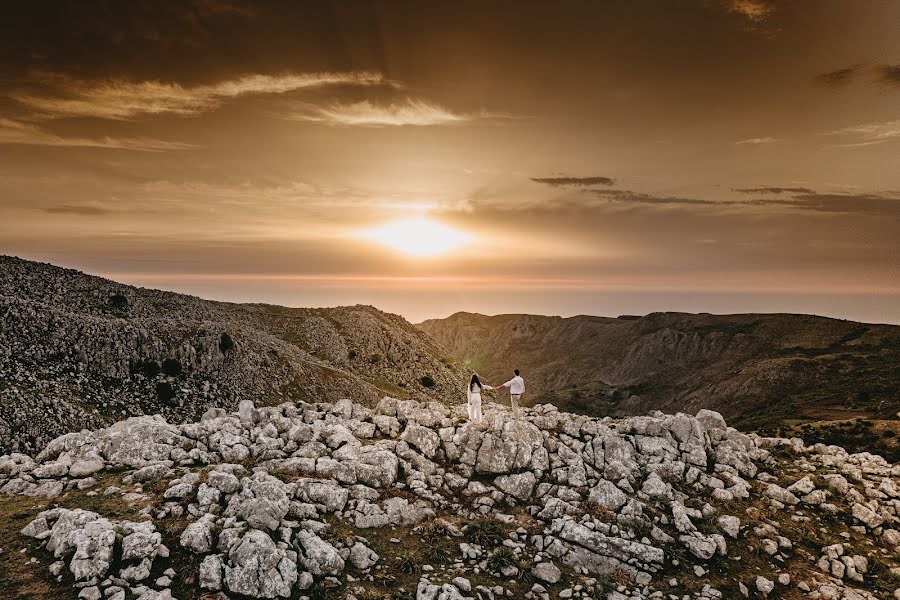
point(473, 393)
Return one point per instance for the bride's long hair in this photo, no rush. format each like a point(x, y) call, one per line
point(474, 381)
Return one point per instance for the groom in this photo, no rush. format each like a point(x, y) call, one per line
point(516, 387)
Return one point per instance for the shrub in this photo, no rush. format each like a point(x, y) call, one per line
point(431, 533)
point(427, 381)
point(164, 391)
point(150, 368)
point(375, 359)
point(383, 578)
point(409, 563)
point(351, 354)
point(437, 555)
point(502, 557)
point(118, 302)
point(171, 367)
point(484, 532)
point(225, 342)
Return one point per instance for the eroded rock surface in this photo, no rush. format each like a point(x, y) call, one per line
point(270, 502)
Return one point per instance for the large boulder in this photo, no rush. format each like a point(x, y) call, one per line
point(509, 449)
point(139, 441)
point(318, 556)
point(423, 439)
point(607, 495)
point(259, 569)
point(263, 501)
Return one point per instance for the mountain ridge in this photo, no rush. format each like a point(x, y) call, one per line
point(81, 351)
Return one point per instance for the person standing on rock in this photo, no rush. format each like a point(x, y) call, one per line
point(473, 393)
point(516, 387)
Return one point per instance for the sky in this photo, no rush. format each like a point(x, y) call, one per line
point(432, 157)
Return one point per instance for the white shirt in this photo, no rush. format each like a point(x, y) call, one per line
point(516, 385)
point(476, 393)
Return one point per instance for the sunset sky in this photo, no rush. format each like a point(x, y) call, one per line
point(430, 157)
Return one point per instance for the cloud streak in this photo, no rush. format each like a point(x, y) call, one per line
point(889, 74)
point(368, 114)
point(804, 199)
point(574, 181)
point(868, 134)
point(84, 210)
point(757, 141)
point(839, 77)
point(754, 10)
point(125, 100)
point(17, 133)
point(773, 190)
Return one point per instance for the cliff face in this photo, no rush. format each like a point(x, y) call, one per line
point(81, 351)
point(757, 369)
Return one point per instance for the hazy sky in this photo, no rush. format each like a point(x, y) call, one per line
point(592, 157)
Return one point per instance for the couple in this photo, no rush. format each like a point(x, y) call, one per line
point(516, 387)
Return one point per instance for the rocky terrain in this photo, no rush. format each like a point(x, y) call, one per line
point(80, 351)
point(761, 371)
point(409, 500)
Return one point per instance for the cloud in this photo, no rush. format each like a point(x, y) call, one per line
point(804, 199)
point(868, 134)
point(757, 141)
point(773, 190)
point(839, 77)
point(123, 100)
point(754, 10)
point(630, 197)
point(369, 114)
point(889, 74)
point(77, 209)
point(17, 133)
point(872, 204)
point(574, 181)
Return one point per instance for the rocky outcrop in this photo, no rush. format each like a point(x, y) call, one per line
point(341, 495)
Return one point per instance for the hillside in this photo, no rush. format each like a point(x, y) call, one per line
point(412, 501)
point(762, 371)
point(78, 351)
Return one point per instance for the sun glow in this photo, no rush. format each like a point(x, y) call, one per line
point(418, 237)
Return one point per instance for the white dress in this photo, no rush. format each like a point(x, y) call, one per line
point(474, 397)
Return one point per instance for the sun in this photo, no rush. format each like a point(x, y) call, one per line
point(418, 236)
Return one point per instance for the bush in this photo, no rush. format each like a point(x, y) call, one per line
point(409, 563)
point(502, 557)
point(171, 367)
point(484, 532)
point(150, 368)
point(427, 381)
point(351, 354)
point(164, 391)
point(225, 342)
point(118, 302)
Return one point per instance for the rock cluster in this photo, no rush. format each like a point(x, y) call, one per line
point(281, 501)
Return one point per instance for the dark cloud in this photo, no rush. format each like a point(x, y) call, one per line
point(884, 205)
point(773, 190)
point(83, 210)
point(872, 204)
point(628, 196)
point(889, 74)
point(839, 77)
point(574, 181)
